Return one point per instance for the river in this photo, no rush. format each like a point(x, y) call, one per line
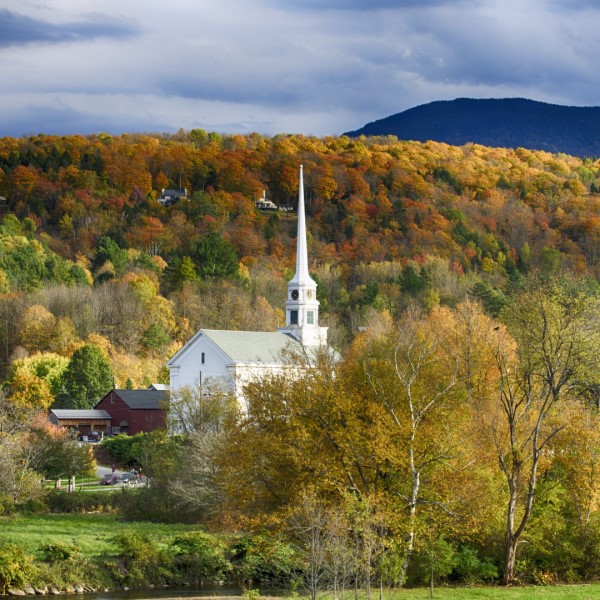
point(221, 592)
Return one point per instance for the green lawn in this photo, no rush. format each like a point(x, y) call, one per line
point(92, 533)
point(574, 592)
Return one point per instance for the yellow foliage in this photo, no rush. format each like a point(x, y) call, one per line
point(37, 327)
point(29, 391)
point(4, 282)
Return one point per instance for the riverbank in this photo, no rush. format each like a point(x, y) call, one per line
point(571, 592)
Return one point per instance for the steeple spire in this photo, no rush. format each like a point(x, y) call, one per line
point(302, 306)
point(302, 275)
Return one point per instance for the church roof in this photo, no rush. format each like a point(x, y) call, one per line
point(248, 347)
point(253, 346)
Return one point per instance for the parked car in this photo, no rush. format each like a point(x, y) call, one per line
point(128, 479)
point(109, 479)
point(90, 436)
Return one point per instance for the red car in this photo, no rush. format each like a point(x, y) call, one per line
point(109, 479)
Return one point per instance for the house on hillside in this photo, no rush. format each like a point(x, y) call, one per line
point(169, 197)
point(231, 359)
point(135, 411)
point(264, 204)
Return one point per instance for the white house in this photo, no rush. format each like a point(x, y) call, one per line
point(230, 359)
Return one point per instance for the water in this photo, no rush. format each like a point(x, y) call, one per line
point(220, 591)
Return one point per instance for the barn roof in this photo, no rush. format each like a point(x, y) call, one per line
point(79, 413)
point(142, 399)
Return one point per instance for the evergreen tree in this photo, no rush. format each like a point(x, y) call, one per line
point(87, 378)
point(215, 258)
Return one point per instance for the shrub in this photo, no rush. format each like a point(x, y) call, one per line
point(437, 559)
point(265, 558)
point(200, 556)
point(469, 568)
point(60, 502)
point(16, 567)
point(141, 561)
point(57, 552)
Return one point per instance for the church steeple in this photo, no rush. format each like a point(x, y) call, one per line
point(302, 306)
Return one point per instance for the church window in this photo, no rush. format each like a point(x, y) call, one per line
point(293, 317)
point(310, 317)
point(202, 358)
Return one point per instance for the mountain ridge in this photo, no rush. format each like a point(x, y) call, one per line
point(496, 122)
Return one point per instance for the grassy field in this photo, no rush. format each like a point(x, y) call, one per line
point(93, 533)
point(571, 592)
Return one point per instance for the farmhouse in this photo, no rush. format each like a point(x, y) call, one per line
point(119, 411)
point(230, 359)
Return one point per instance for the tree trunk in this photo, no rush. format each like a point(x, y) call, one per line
point(510, 559)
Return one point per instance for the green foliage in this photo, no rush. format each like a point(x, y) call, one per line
point(58, 501)
point(155, 338)
point(412, 282)
point(123, 449)
point(200, 556)
point(463, 234)
point(16, 566)
point(442, 174)
point(470, 569)
point(437, 560)
point(87, 378)
point(61, 456)
point(180, 271)
point(107, 250)
point(58, 551)
point(214, 258)
point(492, 300)
point(142, 561)
point(143, 449)
point(264, 558)
point(47, 366)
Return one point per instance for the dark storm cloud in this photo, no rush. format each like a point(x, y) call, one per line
point(17, 29)
point(64, 121)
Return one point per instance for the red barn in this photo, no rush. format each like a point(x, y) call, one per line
point(135, 411)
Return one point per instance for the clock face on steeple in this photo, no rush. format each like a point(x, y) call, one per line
point(309, 294)
point(295, 294)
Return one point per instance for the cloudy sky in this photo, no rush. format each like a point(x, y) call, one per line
point(318, 67)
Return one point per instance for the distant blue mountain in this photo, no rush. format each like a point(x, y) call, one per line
point(508, 123)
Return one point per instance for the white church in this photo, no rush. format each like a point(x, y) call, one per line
point(231, 359)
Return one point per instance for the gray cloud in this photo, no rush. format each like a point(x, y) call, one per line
point(17, 29)
point(366, 5)
point(315, 67)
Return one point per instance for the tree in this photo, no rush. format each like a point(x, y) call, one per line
point(87, 378)
point(215, 257)
point(28, 391)
point(58, 453)
point(107, 250)
point(554, 346)
point(413, 375)
point(48, 366)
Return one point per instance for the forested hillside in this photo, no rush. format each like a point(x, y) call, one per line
point(458, 440)
point(90, 256)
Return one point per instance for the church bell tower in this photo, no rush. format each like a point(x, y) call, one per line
point(302, 306)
